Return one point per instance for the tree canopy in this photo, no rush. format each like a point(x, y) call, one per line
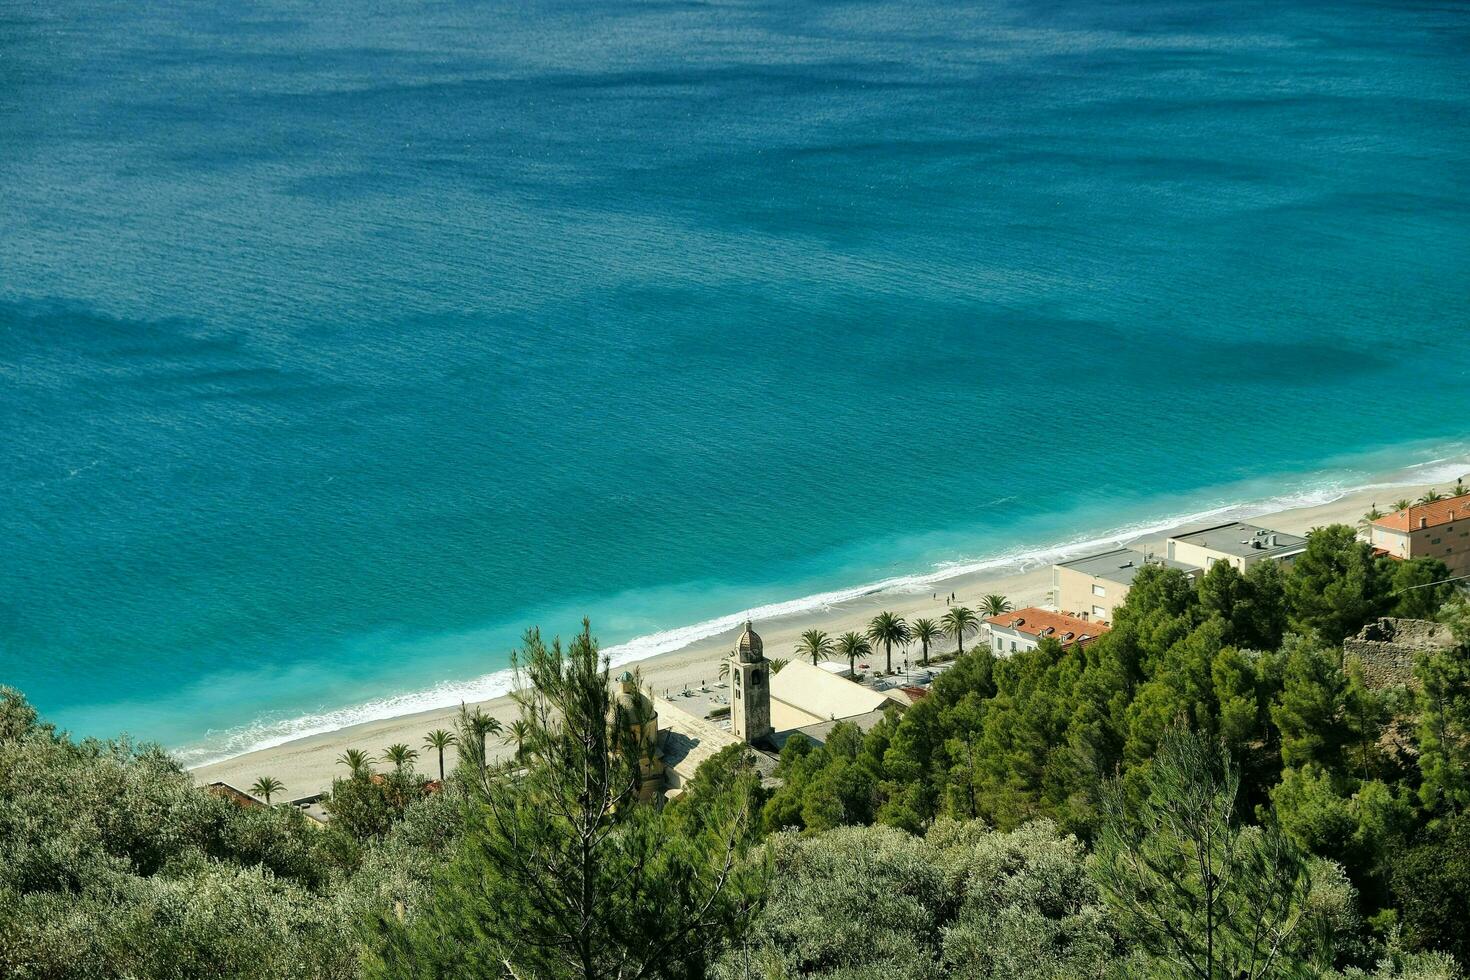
point(1210, 789)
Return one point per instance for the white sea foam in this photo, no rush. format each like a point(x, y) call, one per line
point(217, 747)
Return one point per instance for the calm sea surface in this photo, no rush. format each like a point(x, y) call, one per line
point(341, 341)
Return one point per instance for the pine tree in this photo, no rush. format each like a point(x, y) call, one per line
point(1312, 711)
point(1252, 605)
point(1336, 585)
point(563, 873)
point(1181, 687)
point(1444, 730)
point(1024, 722)
point(1431, 881)
point(1205, 897)
point(1419, 588)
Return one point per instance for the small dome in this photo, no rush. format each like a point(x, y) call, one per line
point(750, 648)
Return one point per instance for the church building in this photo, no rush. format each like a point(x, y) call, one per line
point(766, 707)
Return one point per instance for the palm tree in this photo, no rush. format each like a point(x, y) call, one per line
point(852, 646)
point(958, 623)
point(400, 755)
point(889, 629)
point(815, 644)
point(482, 725)
point(1459, 487)
point(994, 604)
point(439, 740)
point(1403, 503)
point(926, 631)
point(777, 664)
point(725, 668)
point(1430, 496)
point(518, 732)
point(265, 787)
point(1373, 514)
point(356, 760)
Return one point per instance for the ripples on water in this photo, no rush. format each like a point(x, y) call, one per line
point(340, 344)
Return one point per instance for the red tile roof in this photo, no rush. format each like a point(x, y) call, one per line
point(1439, 512)
point(1042, 622)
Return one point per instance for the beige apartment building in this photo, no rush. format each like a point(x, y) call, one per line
point(1093, 586)
point(1438, 530)
point(1237, 543)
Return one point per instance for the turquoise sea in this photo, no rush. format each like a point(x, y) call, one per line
point(341, 341)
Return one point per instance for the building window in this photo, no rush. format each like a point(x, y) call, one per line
point(1013, 646)
point(1099, 590)
point(999, 643)
point(1434, 540)
point(1099, 612)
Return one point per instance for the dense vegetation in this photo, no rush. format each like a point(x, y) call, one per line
point(1209, 790)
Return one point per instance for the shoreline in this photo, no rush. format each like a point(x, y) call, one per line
point(306, 764)
point(1240, 500)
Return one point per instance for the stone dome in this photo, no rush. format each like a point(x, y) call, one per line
point(750, 649)
point(635, 705)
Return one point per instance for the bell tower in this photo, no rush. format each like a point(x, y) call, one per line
point(750, 696)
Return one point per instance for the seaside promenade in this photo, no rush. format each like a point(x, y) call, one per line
point(307, 766)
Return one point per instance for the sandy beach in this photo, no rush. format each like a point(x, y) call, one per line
point(308, 765)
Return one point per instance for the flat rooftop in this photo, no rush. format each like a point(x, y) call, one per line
point(1243, 540)
point(1120, 564)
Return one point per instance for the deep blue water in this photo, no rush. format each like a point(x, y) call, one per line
point(340, 341)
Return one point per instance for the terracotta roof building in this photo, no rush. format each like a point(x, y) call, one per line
point(1024, 629)
point(1438, 530)
point(1420, 516)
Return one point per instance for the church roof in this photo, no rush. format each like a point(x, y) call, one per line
point(803, 695)
point(819, 731)
point(688, 741)
point(750, 649)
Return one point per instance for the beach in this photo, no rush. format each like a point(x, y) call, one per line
point(304, 435)
point(307, 765)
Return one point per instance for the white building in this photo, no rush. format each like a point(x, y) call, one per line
point(1024, 629)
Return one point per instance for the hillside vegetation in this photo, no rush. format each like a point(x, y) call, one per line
point(1210, 790)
